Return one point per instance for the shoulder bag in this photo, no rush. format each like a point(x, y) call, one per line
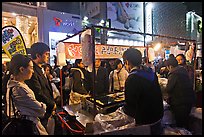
point(18, 126)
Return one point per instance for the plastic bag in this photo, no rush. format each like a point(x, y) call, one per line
point(51, 125)
point(113, 121)
point(176, 131)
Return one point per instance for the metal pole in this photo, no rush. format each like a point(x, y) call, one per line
point(93, 67)
point(152, 24)
point(61, 87)
point(136, 32)
point(194, 66)
point(68, 37)
point(144, 21)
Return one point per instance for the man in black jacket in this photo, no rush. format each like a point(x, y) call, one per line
point(39, 83)
point(180, 92)
point(143, 97)
point(101, 79)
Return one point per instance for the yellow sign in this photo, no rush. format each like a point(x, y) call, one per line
point(12, 41)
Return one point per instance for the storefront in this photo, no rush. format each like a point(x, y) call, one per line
point(24, 18)
point(57, 26)
point(36, 23)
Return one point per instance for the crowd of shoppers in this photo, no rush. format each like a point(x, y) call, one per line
point(32, 80)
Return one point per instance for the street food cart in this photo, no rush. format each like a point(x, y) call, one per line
point(81, 120)
point(83, 116)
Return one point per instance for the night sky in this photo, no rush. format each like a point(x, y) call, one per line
point(195, 6)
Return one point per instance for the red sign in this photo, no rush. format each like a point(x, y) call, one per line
point(57, 21)
point(74, 50)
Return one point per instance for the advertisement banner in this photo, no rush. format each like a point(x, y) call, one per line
point(127, 16)
point(74, 50)
point(12, 41)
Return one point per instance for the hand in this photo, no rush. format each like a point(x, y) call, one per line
point(53, 113)
point(55, 107)
point(162, 69)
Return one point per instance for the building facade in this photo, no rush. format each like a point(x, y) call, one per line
point(158, 18)
point(37, 23)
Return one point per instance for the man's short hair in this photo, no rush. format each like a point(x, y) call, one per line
point(134, 56)
point(116, 62)
point(171, 62)
point(38, 48)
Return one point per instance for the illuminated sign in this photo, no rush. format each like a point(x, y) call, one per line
point(59, 21)
point(74, 50)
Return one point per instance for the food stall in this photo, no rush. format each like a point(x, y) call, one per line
point(93, 107)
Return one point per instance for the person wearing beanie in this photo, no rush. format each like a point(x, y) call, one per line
point(181, 96)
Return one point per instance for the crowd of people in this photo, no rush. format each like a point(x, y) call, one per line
point(35, 86)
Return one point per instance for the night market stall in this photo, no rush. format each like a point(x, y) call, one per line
point(98, 115)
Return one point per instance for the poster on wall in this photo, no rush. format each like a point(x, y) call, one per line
point(127, 16)
point(12, 41)
point(74, 50)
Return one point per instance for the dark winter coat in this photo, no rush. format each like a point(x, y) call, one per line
point(101, 82)
point(143, 97)
point(81, 80)
point(179, 87)
point(41, 87)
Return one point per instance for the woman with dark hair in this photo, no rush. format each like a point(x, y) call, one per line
point(182, 61)
point(21, 69)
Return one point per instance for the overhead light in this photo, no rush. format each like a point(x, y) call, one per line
point(157, 46)
point(14, 14)
point(102, 21)
point(85, 18)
